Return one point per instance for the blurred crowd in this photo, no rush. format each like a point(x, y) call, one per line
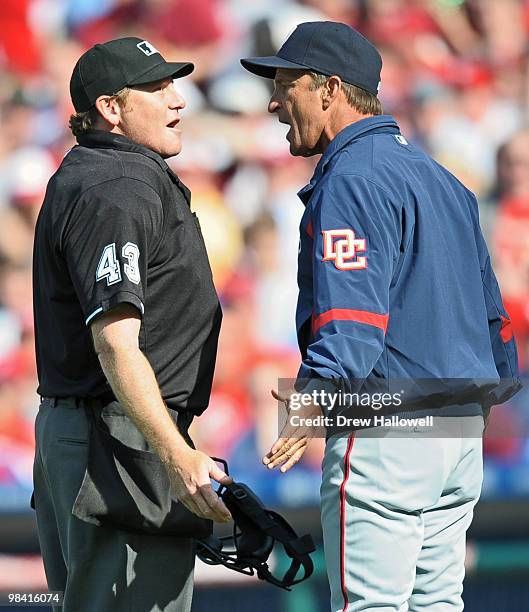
point(455, 76)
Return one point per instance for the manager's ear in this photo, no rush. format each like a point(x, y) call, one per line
point(330, 90)
point(109, 110)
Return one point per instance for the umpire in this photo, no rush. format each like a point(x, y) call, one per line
point(127, 320)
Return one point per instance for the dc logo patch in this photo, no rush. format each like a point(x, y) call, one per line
point(147, 48)
point(342, 247)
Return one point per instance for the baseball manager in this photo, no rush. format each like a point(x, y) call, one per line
point(127, 320)
point(395, 282)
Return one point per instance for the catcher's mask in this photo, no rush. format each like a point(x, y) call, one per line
point(255, 531)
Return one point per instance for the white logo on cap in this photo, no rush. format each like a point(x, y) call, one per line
point(378, 86)
point(145, 47)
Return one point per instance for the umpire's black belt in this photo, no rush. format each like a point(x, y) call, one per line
point(183, 418)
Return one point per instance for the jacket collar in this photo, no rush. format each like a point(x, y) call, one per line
point(99, 139)
point(379, 124)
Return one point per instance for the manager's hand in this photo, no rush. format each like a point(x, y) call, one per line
point(293, 440)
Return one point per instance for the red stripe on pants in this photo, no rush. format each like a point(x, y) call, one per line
point(343, 494)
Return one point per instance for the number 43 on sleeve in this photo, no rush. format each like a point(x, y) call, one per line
point(109, 267)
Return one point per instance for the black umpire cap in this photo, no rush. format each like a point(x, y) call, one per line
point(107, 68)
point(326, 47)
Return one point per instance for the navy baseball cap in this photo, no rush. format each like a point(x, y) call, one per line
point(326, 47)
point(107, 68)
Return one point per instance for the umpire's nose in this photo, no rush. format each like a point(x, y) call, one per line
point(176, 100)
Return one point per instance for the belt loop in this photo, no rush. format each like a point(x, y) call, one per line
point(53, 401)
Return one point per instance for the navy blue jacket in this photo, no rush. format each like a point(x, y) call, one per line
point(395, 279)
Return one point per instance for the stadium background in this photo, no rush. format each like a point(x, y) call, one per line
point(456, 77)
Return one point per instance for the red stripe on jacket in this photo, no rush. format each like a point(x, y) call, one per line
point(506, 329)
point(346, 314)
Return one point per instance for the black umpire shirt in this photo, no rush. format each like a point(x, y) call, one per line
point(116, 226)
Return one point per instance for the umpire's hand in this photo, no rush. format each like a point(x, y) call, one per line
point(190, 475)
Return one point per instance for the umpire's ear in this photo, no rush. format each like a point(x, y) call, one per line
point(109, 110)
